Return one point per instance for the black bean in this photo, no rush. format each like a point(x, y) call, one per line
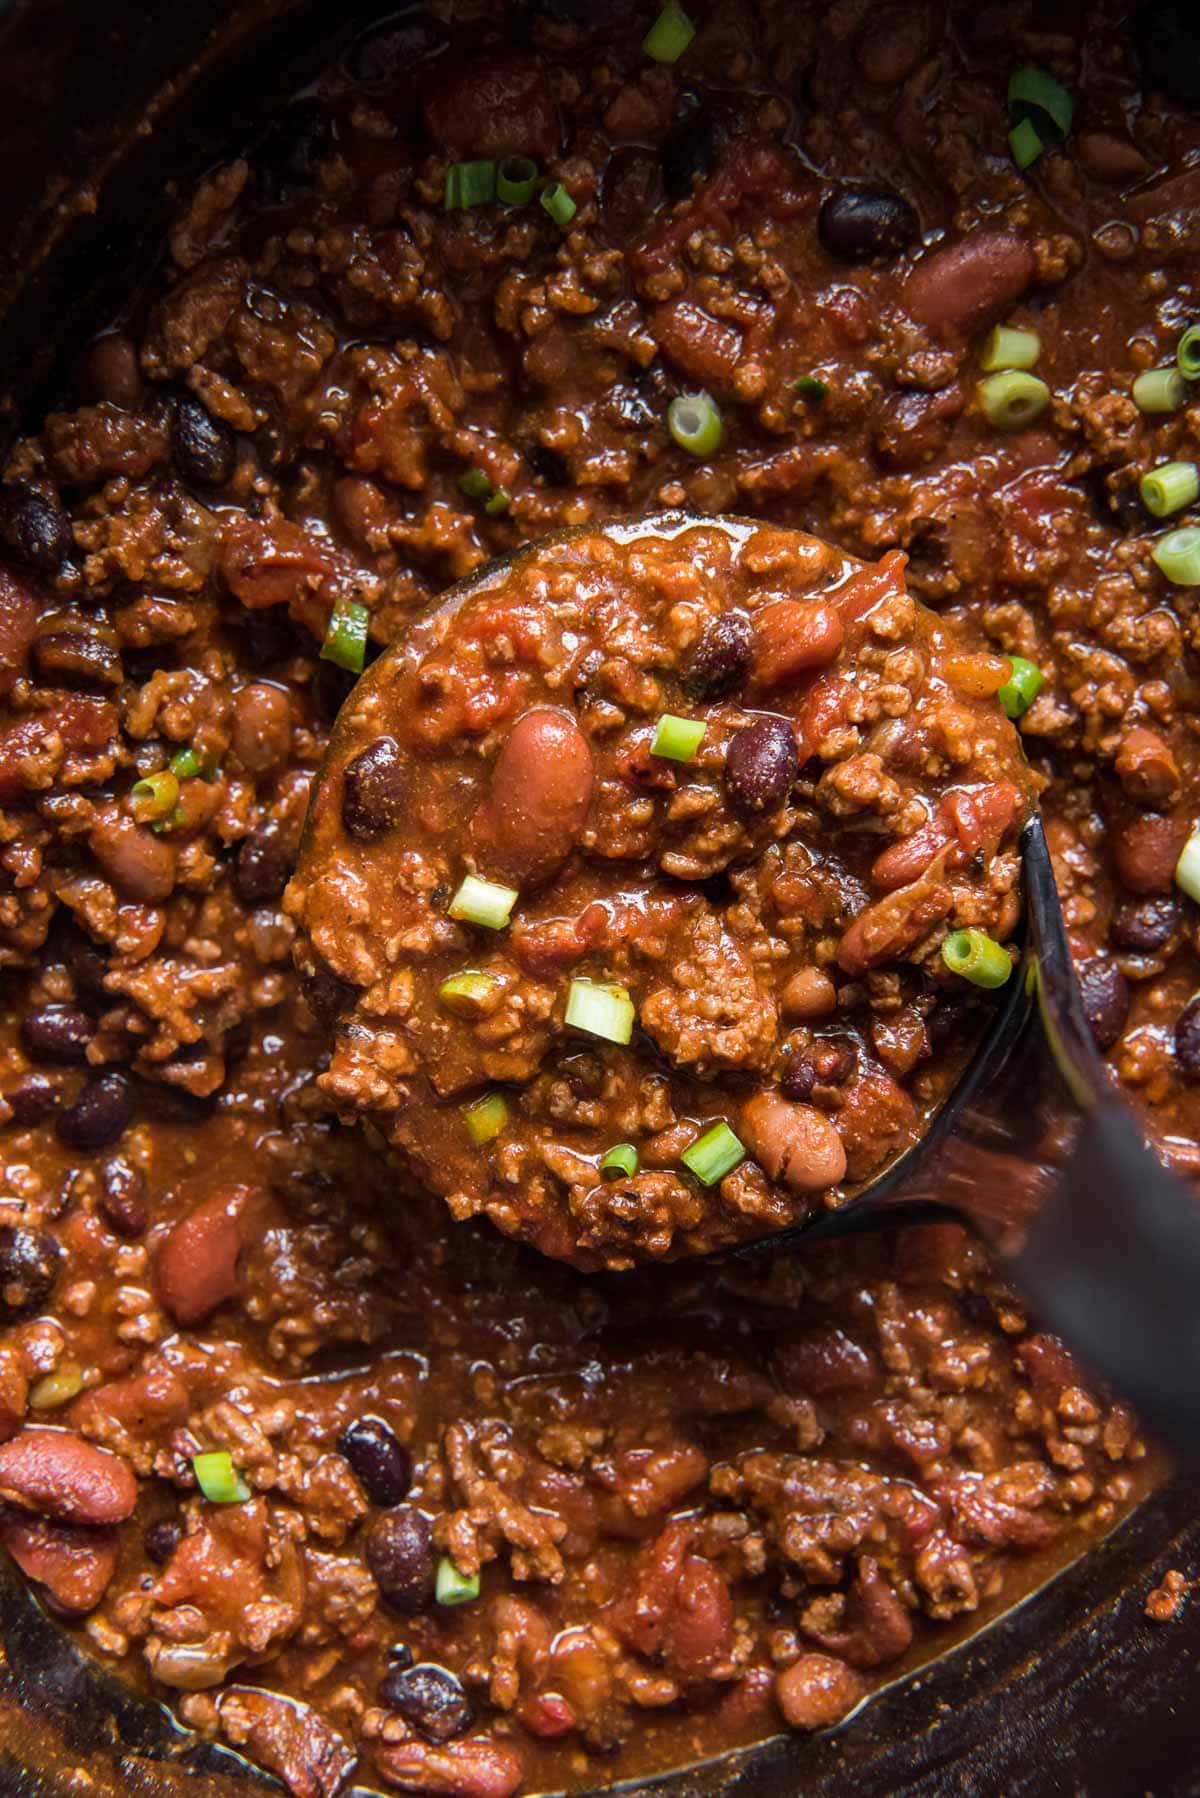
point(382, 1463)
point(77, 659)
point(34, 529)
point(691, 148)
point(264, 862)
point(203, 447)
point(1143, 925)
point(374, 787)
point(400, 1557)
point(123, 1196)
point(84, 962)
point(28, 1269)
point(268, 636)
point(399, 1656)
point(855, 225)
point(546, 464)
point(721, 657)
point(761, 763)
point(798, 1077)
point(1169, 36)
point(430, 1698)
point(100, 1114)
point(31, 1100)
point(391, 50)
point(57, 1033)
point(161, 1539)
point(327, 995)
point(1105, 993)
point(1187, 1039)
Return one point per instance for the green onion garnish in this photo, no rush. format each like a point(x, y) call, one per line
point(469, 184)
point(601, 1009)
point(619, 1163)
point(185, 764)
point(1045, 102)
point(1009, 348)
point(485, 1118)
point(346, 639)
point(154, 797)
point(677, 738)
point(1169, 488)
point(477, 485)
point(219, 1479)
point(1159, 390)
point(976, 957)
point(1178, 555)
point(56, 1389)
point(670, 34)
point(1025, 144)
point(1013, 399)
point(483, 902)
point(1188, 354)
point(714, 1154)
point(453, 1587)
point(1187, 868)
point(695, 423)
point(467, 995)
point(1022, 686)
point(809, 388)
point(516, 180)
point(558, 203)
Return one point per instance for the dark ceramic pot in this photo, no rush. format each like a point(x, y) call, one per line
point(1074, 1692)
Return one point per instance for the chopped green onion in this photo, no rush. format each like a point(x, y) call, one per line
point(976, 957)
point(1169, 488)
point(1009, 348)
point(1187, 868)
point(346, 639)
point(619, 1163)
point(477, 485)
point(467, 995)
point(809, 388)
point(469, 184)
point(498, 502)
point(558, 203)
point(516, 180)
point(714, 1154)
point(1159, 390)
point(1188, 354)
point(1022, 686)
point(600, 1009)
point(1025, 144)
point(677, 738)
point(56, 1389)
point(453, 1587)
point(1013, 399)
point(485, 1118)
point(1178, 555)
point(695, 423)
point(219, 1479)
point(154, 797)
point(1038, 97)
point(670, 34)
point(185, 764)
point(483, 902)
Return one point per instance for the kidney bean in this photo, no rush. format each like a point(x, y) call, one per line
point(57, 1033)
point(400, 1556)
point(1106, 999)
point(29, 1261)
point(139, 864)
point(537, 806)
point(265, 860)
point(1146, 767)
point(885, 930)
point(262, 727)
point(109, 370)
point(817, 1691)
point(699, 1622)
point(59, 1475)
point(704, 349)
point(196, 1269)
point(204, 448)
point(31, 1100)
point(430, 1698)
point(101, 1112)
point(792, 638)
point(761, 763)
point(77, 659)
point(33, 529)
point(379, 1459)
point(721, 657)
point(793, 1144)
point(494, 105)
point(123, 1198)
point(18, 622)
point(1107, 157)
point(856, 225)
point(1146, 848)
point(476, 1768)
point(374, 790)
point(161, 1539)
point(1187, 1039)
point(73, 1566)
point(809, 993)
point(963, 286)
point(1142, 926)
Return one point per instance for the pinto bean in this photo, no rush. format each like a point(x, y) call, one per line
point(73, 1566)
point(1146, 848)
point(262, 727)
point(140, 865)
point(893, 43)
point(809, 993)
point(267, 562)
point(541, 788)
point(817, 1691)
point(476, 1768)
point(56, 1474)
point(793, 638)
point(18, 621)
point(1146, 767)
point(963, 286)
point(793, 1144)
point(197, 1263)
